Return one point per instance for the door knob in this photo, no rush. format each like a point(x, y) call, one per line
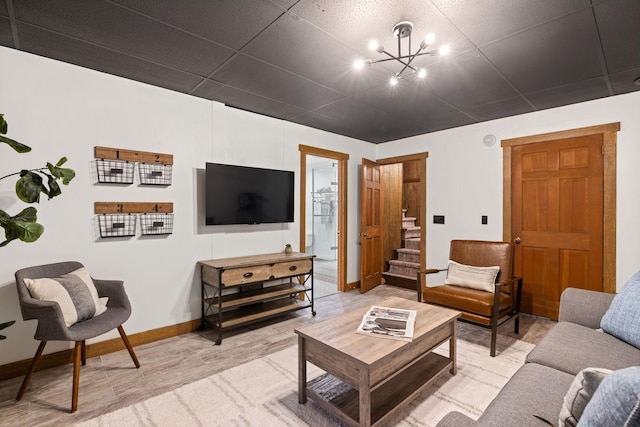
point(517, 240)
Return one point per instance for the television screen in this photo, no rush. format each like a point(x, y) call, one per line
point(248, 195)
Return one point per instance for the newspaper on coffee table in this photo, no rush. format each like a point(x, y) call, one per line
point(388, 322)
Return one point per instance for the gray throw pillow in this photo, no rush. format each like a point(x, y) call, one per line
point(582, 388)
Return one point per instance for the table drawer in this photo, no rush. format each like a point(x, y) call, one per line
point(286, 269)
point(240, 276)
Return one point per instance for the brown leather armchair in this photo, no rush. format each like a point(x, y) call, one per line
point(487, 309)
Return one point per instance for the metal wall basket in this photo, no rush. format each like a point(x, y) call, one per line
point(155, 173)
point(117, 225)
point(115, 171)
point(156, 224)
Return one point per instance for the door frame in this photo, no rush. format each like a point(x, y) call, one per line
point(342, 159)
point(422, 157)
point(609, 149)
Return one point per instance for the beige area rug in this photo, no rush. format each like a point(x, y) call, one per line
point(264, 392)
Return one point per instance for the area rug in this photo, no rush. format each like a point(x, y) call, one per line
point(263, 392)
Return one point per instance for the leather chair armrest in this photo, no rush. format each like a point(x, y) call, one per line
point(418, 283)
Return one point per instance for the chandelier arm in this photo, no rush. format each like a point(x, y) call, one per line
point(408, 64)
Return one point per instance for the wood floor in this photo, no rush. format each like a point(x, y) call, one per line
point(111, 381)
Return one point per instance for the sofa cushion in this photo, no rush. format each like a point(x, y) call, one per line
point(468, 276)
point(622, 319)
point(534, 393)
point(616, 402)
point(74, 292)
point(582, 388)
point(571, 348)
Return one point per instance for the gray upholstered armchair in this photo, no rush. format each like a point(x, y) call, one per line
point(51, 319)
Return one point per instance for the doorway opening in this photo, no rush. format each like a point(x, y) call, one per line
point(323, 216)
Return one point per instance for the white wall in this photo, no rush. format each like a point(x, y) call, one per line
point(60, 109)
point(464, 178)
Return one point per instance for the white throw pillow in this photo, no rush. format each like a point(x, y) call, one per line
point(75, 293)
point(482, 278)
point(582, 388)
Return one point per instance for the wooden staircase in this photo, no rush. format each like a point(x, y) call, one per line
point(403, 269)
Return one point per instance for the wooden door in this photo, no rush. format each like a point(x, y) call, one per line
point(557, 219)
point(371, 263)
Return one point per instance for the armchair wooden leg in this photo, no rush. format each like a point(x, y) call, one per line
point(84, 353)
point(127, 344)
point(31, 370)
point(77, 357)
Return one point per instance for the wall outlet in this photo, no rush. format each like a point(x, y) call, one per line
point(485, 220)
point(438, 219)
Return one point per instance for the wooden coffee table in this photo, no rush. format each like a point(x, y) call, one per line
point(368, 378)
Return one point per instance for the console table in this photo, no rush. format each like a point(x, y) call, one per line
point(241, 290)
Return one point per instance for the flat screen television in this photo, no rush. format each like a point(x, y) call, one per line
point(248, 195)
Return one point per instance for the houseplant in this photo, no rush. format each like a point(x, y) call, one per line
point(29, 185)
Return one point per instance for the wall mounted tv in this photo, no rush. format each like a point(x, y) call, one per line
point(248, 195)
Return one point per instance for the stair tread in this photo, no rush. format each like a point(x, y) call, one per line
point(404, 263)
point(408, 250)
point(404, 276)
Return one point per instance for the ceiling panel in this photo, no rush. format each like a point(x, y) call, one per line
point(271, 82)
point(232, 23)
point(575, 92)
point(618, 22)
point(553, 54)
point(240, 99)
point(490, 20)
point(292, 59)
point(6, 38)
point(111, 26)
point(48, 44)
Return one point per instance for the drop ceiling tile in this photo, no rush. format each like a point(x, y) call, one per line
point(313, 54)
point(489, 20)
point(265, 80)
point(624, 82)
point(114, 27)
point(6, 37)
point(322, 122)
point(618, 23)
point(248, 101)
point(468, 79)
point(72, 51)
point(355, 22)
point(554, 54)
point(3, 8)
point(231, 23)
point(498, 109)
point(569, 94)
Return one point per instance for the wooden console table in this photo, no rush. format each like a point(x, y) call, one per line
point(241, 290)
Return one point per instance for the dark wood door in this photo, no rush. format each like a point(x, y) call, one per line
point(557, 219)
point(371, 263)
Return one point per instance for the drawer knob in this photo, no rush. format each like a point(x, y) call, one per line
point(293, 268)
point(248, 274)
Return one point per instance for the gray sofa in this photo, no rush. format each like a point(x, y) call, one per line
point(534, 395)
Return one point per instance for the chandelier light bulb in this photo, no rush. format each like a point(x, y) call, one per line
point(393, 81)
point(422, 73)
point(358, 64)
point(430, 38)
point(373, 45)
point(444, 50)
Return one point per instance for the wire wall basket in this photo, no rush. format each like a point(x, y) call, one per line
point(117, 225)
point(115, 171)
point(156, 224)
point(155, 174)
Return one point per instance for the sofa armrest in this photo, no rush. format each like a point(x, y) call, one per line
point(455, 419)
point(584, 307)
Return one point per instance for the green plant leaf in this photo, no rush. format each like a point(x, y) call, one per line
point(19, 147)
point(22, 226)
point(65, 174)
point(3, 124)
point(6, 324)
point(54, 188)
point(29, 187)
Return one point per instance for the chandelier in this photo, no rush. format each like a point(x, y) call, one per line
point(402, 30)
